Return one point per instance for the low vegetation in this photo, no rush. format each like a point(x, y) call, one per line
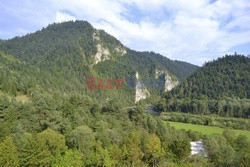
point(206, 130)
point(210, 120)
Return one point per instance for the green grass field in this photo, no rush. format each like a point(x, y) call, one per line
point(206, 130)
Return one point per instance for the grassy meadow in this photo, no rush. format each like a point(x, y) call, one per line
point(206, 130)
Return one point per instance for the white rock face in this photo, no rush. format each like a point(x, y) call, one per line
point(104, 53)
point(158, 73)
point(141, 92)
point(121, 50)
point(96, 37)
point(198, 147)
point(169, 82)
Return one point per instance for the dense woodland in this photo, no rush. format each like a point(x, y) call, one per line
point(77, 131)
point(48, 118)
point(60, 57)
point(220, 87)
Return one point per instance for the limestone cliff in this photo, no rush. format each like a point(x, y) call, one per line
point(169, 81)
point(141, 92)
point(104, 53)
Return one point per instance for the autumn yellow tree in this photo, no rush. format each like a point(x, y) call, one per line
point(153, 149)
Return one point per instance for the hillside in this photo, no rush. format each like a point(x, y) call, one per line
point(219, 87)
point(226, 77)
point(65, 54)
point(49, 118)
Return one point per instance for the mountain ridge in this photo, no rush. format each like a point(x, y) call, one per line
point(76, 50)
point(220, 87)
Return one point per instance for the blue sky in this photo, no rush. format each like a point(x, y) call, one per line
point(190, 30)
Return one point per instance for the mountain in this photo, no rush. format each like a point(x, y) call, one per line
point(64, 55)
point(228, 76)
point(48, 117)
point(219, 87)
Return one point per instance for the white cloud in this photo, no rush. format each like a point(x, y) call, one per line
point(192, 31)
point(63, 17)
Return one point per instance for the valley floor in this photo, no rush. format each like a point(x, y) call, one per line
point(205, 130)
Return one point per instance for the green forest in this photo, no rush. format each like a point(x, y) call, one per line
point(49, 118)
point(58, 58)
point(220, 87)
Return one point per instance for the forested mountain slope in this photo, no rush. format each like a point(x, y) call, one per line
point(228, 76)
point(72, 51)
point(49, 118)
point(219, 87)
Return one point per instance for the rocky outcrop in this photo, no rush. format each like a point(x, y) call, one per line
point(169, 81)
point(120, 50)
point(141, 92)
point(104, 53)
